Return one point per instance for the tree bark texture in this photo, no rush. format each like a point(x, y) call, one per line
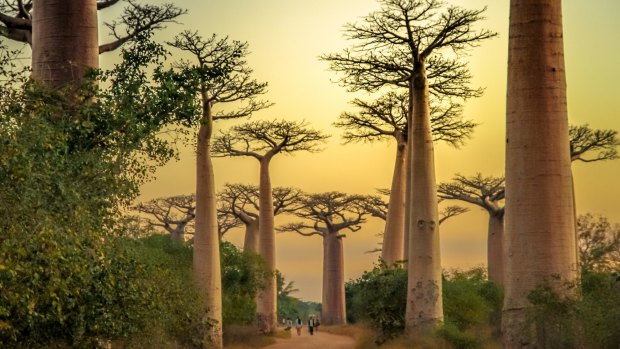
point(495, 254)
point(539, 228)
point(325, 301)
point(424, 297)
point(333, 288)
point(64, 41)
point(206, 262)
point(392, 250)
point(250, 242)
point(267, 297)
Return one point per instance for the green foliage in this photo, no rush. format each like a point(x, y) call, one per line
point(379, 297)
point(70, 159)
point(471, 302)
point(292, 307)
point(472, 308)
point(242, 275)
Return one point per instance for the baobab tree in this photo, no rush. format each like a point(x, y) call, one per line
point(540, 216)
point(263, 140)
point(241, 201)
point(487, 193)
point(586, 145)
point(386, 119)
point(411, 37)
point(223, 77)
point(175, 215)
point(64, 34)
point(327, 215)
point(380, 208)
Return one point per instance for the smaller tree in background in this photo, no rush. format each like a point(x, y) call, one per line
point(599, 244)
point(386, 119)
point(240, 202)
point(263, 140)
point(175, 214)
point(327, 215)
point(487, 193)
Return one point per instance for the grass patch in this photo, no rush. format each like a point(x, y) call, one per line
point(245, 337)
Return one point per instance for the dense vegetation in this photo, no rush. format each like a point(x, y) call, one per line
point(471, 304)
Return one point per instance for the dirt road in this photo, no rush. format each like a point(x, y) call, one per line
point(320, 340)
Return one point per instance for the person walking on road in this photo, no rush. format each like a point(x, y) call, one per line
point(311, 325)
point(298, 326)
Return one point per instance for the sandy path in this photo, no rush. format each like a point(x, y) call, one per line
point(320, 340)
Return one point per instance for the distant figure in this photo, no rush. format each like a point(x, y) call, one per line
point(298, 326)
point(311, 325)
point(317, 323)
point(288, 324)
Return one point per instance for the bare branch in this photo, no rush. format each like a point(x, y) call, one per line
point(485, 192)
point(588, 145)
point(451, 211)
point(221, 67)
point(137, 18)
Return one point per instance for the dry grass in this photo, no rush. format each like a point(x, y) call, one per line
point(246, 337)
point(365, 339)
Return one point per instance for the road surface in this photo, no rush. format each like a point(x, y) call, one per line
point(321, 340)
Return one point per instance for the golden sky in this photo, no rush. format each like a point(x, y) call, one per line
point(287, 36)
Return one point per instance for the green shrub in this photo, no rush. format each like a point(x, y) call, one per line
point(378, 297)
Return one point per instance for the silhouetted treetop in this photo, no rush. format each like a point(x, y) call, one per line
point(261, 139)
point(404, 34)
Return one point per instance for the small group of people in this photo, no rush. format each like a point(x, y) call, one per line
point(313, 324)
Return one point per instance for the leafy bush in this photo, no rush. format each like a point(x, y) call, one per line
point(379, 297)
point(471, 302)
point(242, 275)
point(472, 308)
point(69, 161)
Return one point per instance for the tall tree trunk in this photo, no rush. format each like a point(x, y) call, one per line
point(333, 289)
point(408, 155)
point(64, 41)
point(250, 242)
point(424, 298)
point(394, 234)
point(495, 254)
point(207, 273)
point(178, 236)
point(540, 226)
point(267, 301)
point(326, 307)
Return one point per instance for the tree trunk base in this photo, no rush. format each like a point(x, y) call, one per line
point(266, 323)
point(516, 332)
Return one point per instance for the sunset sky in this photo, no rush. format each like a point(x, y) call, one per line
point(287, 36)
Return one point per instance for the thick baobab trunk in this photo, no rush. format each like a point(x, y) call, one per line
point(424, 297)
point(250, 242)
point(178, 236)
point(539, 228)
point(394, 235)
point(325, 306)
point(64, 41)
point(495, 260)
point(333, 288)
point(407, 194)
point(207, 273)
point(267, 301)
